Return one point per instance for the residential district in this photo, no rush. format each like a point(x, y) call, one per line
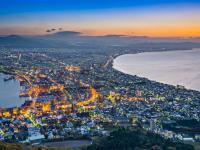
point(79, 95)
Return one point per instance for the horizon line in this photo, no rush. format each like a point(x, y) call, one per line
point(99, 35)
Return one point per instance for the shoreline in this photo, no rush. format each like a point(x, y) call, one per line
point(19, 100)
point(114, 56)
point(148, 78)
point(111, 80)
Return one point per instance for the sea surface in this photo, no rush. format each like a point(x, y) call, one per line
point(170, 67)
point(9, 93)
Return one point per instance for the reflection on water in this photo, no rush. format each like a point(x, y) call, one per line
point(9, 91)
point(171, 67)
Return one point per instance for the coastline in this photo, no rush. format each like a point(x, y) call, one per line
point(14, 95)
point(148, 78)
point(125, 84)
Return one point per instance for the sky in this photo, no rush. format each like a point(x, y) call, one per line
point(156, 18)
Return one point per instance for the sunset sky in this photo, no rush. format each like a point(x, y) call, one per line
point(99, 17)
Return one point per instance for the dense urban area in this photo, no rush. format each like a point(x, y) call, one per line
point(77, 95)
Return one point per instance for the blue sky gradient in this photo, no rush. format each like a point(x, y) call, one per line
point(89, 16)
point(22, 6)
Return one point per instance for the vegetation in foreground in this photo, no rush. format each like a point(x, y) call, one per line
point(19, 146)
point(121, 139)
point(126, 139)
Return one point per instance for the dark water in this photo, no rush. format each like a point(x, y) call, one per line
point(171, 67)
point(9, 92)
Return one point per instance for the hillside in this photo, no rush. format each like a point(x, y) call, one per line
point(126, 139)
point(19, 146)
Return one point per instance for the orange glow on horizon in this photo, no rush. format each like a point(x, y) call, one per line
point(170, 20)
point(151, 31)
point(181, 31)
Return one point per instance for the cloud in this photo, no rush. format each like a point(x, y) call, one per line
point(53, 29)
point(48, 30)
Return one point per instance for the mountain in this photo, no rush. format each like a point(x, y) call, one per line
point(73, 39)
point(50, 40)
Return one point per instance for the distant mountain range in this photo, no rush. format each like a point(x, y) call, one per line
point(77, 39)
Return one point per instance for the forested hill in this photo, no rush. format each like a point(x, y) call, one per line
point(126, 139)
